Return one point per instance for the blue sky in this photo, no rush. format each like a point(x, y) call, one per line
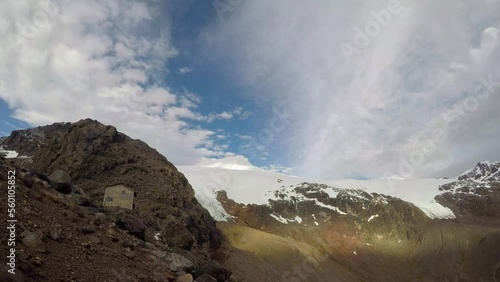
point(330, 89)
point(8, 122)
point(188, 72)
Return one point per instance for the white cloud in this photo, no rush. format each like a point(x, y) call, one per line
point(243, 136)
point(361, 117)
point(76, 59)
point(238, 112)
point(184, 70)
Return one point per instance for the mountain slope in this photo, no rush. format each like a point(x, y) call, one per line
point(96, 156)
point(378, 230)
point(64, 230)
point(248, 184)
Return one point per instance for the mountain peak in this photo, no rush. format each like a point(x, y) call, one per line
point(234, 163)
point(484, 171)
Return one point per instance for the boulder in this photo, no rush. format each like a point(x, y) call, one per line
point(82, 200)
point(178, 263)
point(134, 225)
point(32, 241)
point(187, 254)
point(205, 278)
point(176, 235)
point(61, 181)
point(185, 278)
point(55, 232)
point(88, 229)
point(214, 269)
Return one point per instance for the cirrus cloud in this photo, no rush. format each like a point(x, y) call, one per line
point(362, 117)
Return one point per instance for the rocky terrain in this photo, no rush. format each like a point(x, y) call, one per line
point(374, 237)
point(475, 196)
point(64, 232)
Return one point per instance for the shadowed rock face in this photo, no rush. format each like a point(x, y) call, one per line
point(96, 156)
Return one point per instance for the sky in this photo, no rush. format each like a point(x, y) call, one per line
point(325, 89)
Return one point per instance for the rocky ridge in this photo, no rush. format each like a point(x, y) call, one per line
point(475, 195)
point(65, 232)
point(382, 238)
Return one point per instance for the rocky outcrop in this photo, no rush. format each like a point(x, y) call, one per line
point(374, 236)
point(96, 156)
point(67, 168)
point(475, 195)
point(61, 181)
point(61, 240)
point(485, 171)
point(317, 205)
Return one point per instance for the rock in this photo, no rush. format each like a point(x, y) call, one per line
point(169, 276)
point(61, 181)
point(205, 278)
point(55, 232)
point(52, 196)
point(82, 200)
point(134, 225)
point(28, 180)
point(33, 241)
point(214, 269)
point(113, 235)
point(178, 263)
point(37, 261)
point(88, 229)
point(175, 234)
point(130, 255)
point(79, 190)
point(187, 254)
point(185, 278)
point(94, 240)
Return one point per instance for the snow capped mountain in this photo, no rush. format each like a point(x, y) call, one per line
point(247, 184)
point(484, 171)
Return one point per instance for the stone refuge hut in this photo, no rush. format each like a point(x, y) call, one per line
point(119, 196)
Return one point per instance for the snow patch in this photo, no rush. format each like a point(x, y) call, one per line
point(283, 220)
point(8, 154)
point(329, 207)
point(435, 210)
point(332, 193)
point(372, 217)
point(279, 218)
point(157, 236)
